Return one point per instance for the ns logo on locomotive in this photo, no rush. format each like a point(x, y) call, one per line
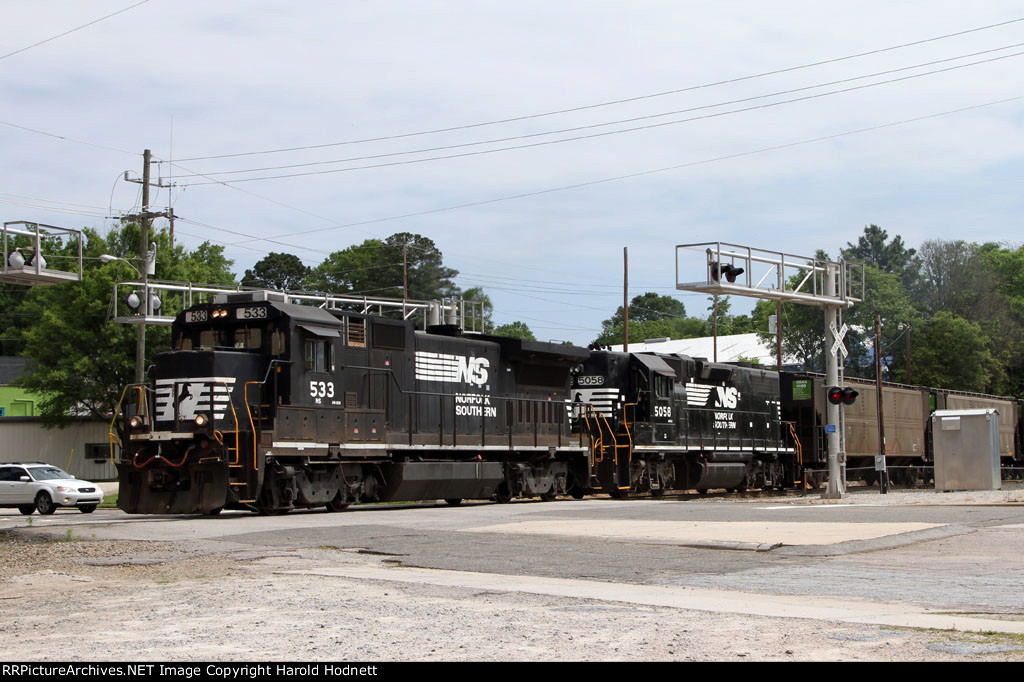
point(265, 405)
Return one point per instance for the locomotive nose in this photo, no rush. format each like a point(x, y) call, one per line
point(195, 390)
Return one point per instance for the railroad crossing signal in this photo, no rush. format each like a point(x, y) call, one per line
point(838, 335)
point(844, 396)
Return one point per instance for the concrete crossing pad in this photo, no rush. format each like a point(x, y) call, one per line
point(743, 534)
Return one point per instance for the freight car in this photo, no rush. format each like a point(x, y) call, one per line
point(907, 411)
point(270, 406)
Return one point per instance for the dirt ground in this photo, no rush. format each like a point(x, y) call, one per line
point(75, 598)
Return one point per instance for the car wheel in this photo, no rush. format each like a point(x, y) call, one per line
point(26, 509)
point(87, 508)
point(44, 505)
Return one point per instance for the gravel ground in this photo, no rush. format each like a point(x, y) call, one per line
point(86, 600)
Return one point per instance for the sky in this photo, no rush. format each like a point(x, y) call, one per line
point(739, 122)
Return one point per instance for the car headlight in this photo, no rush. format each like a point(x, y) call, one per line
point(65, 489)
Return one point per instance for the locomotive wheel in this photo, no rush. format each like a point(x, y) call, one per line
point(337, 505)
point(548, 496)
point(657, 492)
point(213, 512)
point(619, 494)
point(503, 495)
point(453, 501)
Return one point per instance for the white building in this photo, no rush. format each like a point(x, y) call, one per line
point(731, 348)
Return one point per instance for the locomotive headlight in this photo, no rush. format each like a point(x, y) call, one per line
point(135, 422)
point(201, 420)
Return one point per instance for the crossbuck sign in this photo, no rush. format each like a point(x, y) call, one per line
point(838, 335)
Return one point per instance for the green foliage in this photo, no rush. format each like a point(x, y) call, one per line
point(375, 268)
point(280, 271)
point(515, 330)
point(82, 359)
point(477, 294)
point(651, 316)
point(951, 352)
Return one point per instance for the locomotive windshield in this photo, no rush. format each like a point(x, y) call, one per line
point(246, 337)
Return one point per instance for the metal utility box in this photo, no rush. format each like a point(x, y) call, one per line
point(966, 446)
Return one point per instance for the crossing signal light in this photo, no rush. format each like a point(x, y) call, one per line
point(726, 270)
point(844, 396)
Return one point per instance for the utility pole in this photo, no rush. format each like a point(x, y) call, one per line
point(140, 332)
point(880, 465)
point(146, 260)
point(625, 299)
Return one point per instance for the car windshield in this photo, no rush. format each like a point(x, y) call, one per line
point(47, 473)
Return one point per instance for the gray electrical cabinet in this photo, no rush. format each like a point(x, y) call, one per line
point(966, 447)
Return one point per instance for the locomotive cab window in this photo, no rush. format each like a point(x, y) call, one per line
point(248, 337)
point(662, 386)
point(318, 356)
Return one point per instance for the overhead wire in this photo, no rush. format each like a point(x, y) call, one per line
point(592, 126)
point(626, 176)
point(617, 101)
point(70, 31)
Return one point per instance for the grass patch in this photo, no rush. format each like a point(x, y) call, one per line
point(109, 502)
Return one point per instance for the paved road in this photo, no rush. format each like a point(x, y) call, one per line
point(902, 557)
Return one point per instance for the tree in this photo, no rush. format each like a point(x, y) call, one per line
point(650, 316)
point(646, 307)
point(952, 352)
point(82, 359)
point(281, 271)
point(374, 268)
point(893, 257)
point(888, 299)
point(477, 295)
point(515, 330)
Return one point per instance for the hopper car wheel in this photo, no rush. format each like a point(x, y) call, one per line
point(453, 501)
point(702, 491)
point(212, 512)
point(548, 496)
point(619, 494)
point(577, 492)
point(658, 492)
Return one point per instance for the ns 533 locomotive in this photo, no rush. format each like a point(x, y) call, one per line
point(269, 406)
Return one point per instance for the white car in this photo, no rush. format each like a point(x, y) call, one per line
point(33, 486)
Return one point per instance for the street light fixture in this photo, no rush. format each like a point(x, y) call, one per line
point(134, 302)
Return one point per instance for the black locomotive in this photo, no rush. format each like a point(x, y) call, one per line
point(270, 406)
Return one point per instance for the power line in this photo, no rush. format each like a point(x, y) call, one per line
point(66, 139)
point(616, 122)
point(653, 171)
point(612, 102)
point(612, 132)
point(79, 28)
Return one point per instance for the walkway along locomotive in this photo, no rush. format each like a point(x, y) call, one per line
point(270, 406)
